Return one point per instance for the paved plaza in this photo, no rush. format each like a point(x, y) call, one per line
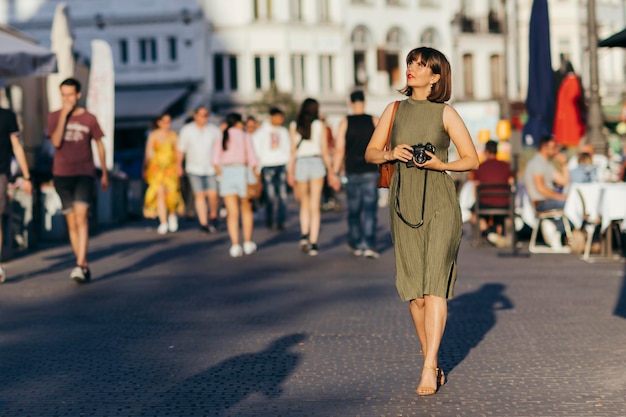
point(172, 326)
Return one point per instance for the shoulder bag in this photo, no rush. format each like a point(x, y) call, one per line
point(385, 171)
point(254, 186)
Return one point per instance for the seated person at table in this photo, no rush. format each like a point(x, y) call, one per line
point(499, 174)
point(599, 162)
point(585, 171)
point(541, 179)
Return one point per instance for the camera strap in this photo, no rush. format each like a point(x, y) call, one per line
point(397, 205)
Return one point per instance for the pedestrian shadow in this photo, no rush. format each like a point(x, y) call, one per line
point(230, 382)
point(470, 317)
point(66, 260)
point(620, 307)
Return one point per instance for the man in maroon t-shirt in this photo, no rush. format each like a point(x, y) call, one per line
point(496, 173)
point(71, 131)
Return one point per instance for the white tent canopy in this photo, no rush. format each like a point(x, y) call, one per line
point(21, 58)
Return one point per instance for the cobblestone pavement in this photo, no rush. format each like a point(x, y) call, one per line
point(172, 326)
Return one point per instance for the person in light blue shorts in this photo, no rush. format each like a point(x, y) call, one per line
point(195, 147)
point(309, 163)
point(236, 164)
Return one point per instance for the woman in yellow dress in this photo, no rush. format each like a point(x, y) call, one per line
point(163, 198)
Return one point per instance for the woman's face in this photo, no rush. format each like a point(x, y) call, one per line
point(419, 75)
point(164, 122)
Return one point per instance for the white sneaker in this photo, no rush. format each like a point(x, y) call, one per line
point(77, 274)
point(162, 229)
point(235, 251)
point(3, 275)
point(172, 223)
point(497, 240)
point(371, 253)
point(249, 248)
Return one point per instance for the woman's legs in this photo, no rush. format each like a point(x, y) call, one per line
point(302, 189)
point(429, 318)
point(247, 219)
point(161, 204)
point(232, 217)
point(199, 200)
point(315, 197)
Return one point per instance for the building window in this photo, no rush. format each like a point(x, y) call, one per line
point(497, 83)
point(264, 71)
point(297, 71)
point(123, 45)
point(172, 44)
point(325, 11)
point(360, 69)
point(429, 37)
point(468, 75)
point(429, 3)
point(360, 38)
point(258, 77)
point(296, 10)
point(233, 81)
point(272, 69)
point(394, 2)
point(225, 73)
point(262, 9)
point(326, 73)
point(395, 39)
point(148, 50)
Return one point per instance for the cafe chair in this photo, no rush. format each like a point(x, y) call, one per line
point(591, 223)
point(541, 218)
point(507, 213)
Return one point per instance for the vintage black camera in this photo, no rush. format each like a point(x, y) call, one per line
point(419, 154)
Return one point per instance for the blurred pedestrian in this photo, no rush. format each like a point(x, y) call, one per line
point(329, 197)
point(195, 148)
point(163, 199)
point(251, 124)
point(71, 131)
point(353, 135)
point(426, 217)
point(307, 170)
point(10, 146)
point(235, 162)
point(272, 144)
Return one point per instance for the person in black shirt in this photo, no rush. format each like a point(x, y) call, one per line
point(10, 146)
point(353, 135)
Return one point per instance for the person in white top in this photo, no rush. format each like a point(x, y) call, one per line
point(272, 144)
point(195, 147)
point(309, 163)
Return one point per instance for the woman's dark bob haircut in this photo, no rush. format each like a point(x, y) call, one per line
point(438, 63)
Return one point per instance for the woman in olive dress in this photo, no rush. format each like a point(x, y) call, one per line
point(424, 209)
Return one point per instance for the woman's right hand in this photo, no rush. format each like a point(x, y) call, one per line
point(402, 153)
point(290, 179)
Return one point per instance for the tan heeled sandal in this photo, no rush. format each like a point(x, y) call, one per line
point(422, 390)
point(442, 375)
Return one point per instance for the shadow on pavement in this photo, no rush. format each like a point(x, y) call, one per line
point(65, 260)
point(470, 317)
point(228, 383)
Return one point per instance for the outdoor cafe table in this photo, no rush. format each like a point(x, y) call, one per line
point(604, 203)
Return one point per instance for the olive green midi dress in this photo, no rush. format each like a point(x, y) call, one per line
point(425, 256)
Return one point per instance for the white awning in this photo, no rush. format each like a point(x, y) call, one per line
point(21, 58)
point(146, 104)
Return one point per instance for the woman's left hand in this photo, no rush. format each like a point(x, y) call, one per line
point(434, 163)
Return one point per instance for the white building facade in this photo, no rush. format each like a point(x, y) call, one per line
point(174, 55)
